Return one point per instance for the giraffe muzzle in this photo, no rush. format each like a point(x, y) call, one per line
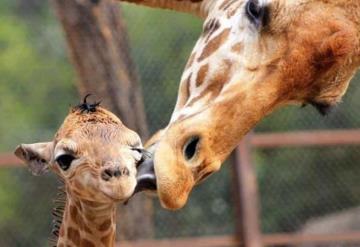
point(114, 172)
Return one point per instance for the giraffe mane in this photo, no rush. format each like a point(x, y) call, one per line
point(85, 106)
point(58, 213)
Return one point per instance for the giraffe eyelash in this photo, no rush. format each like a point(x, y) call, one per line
point(58, 213)
point(144, 155)
point(144, 152)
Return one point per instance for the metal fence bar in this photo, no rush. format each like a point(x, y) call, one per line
point(246, 184)
point(230, 241)
point(307, 138)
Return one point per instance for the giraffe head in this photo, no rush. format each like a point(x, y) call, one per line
point(252, 57)
point(93, 153)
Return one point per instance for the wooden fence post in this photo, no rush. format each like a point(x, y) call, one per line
point(247, 205)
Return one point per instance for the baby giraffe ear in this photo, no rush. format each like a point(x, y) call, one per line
point(37, 156)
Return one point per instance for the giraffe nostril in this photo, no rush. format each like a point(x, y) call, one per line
point(115, 172)
point(125, 171)
point(107, 174)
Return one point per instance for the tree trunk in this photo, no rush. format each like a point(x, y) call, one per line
point(99, 50)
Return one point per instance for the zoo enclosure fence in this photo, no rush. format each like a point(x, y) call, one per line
point(248, 232)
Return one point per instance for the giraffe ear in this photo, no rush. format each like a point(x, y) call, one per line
point(37, 156)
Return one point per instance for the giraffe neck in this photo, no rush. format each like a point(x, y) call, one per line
point(87, 224)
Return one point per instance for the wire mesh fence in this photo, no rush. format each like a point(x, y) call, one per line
point(301, 184)
point(300, 188)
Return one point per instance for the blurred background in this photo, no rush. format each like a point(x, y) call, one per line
point(302, 189)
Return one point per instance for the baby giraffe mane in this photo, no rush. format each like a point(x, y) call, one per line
point(58, 213)
point(87, 107)
point(86, 112)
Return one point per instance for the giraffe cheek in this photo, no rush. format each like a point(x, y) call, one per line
point(86, 179)
point(84, 185)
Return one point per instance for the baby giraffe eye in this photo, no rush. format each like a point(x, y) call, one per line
point(64, 161)
point(139, 156)
point(142, 155)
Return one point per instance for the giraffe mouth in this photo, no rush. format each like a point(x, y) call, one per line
point(118, 198)
point(146, 179)
point(118, 191)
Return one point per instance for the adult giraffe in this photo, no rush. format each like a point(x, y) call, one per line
point(252, 57)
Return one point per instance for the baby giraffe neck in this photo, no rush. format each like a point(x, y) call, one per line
point(87, 224)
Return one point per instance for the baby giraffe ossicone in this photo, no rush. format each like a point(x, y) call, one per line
point(96, 157)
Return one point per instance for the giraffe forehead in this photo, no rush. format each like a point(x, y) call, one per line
point(99, 135)
point(226, 26)
point(230, 8)
point(107, 154)
point(225, 37)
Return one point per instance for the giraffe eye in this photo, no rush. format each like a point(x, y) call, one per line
point(64, 161)
point(255, 13)
point(142, 154)
point(191, 147)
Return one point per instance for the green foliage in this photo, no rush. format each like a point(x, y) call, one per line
point(36, 90)
point(7, 200)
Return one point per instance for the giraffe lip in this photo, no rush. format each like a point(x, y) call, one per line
point(146, 182)
point(115, 195)
point(146, 178)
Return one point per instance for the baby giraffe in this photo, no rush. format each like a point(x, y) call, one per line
point(96, 156)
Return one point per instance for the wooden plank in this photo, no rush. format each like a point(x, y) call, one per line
point(217, 241)
point(306, 138)
point(249, 228)
point(9, 160)
point(282, 239)
point(231, 241)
